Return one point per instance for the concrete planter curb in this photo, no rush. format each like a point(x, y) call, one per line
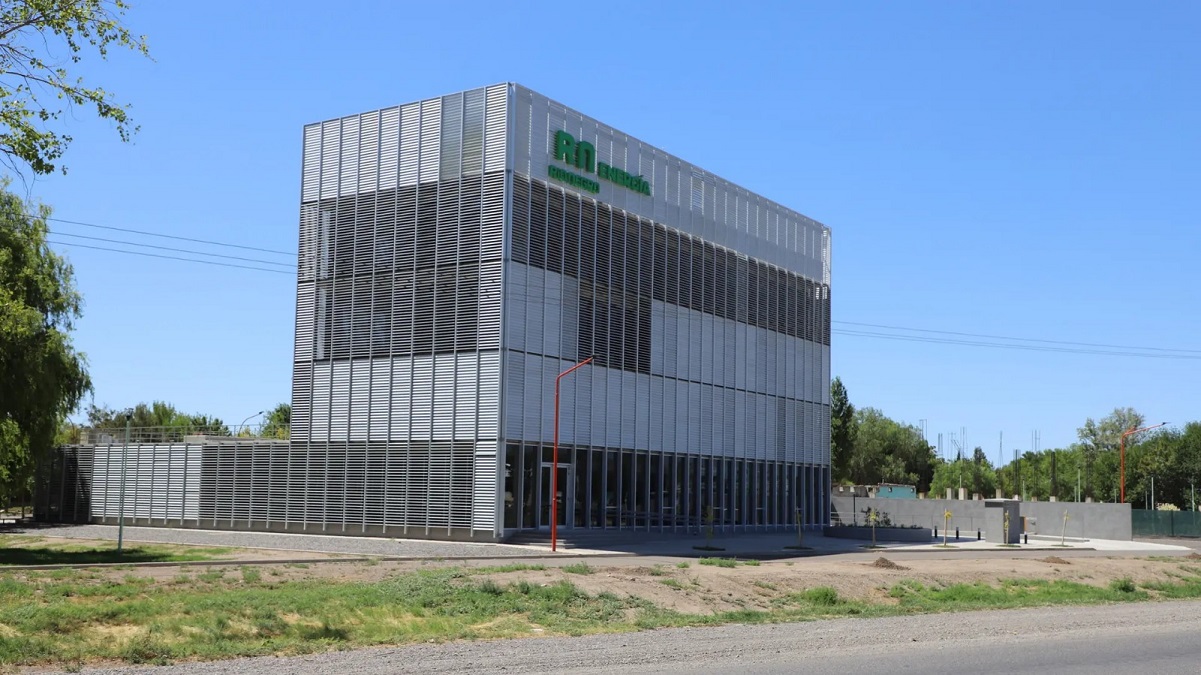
point(906, 534)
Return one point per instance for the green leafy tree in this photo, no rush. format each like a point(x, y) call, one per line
point(40, 42)
point(1101, 437)
point(887, 451)
point(42, 376)
point(1173, 457)
point(278, 422)
point(976, 474)
point(842, 430)
point(156, 422)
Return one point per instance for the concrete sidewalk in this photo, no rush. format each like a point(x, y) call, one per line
point(779, 545)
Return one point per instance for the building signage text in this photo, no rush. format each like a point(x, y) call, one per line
point(582, 155)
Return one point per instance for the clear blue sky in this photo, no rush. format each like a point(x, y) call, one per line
point(1020, 169)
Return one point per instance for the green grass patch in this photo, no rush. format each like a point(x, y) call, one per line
point(36, 551)
point(1187, 588)
point(579, 568)
point(728, 562)
point(718, 562)
point(1011, 593)
point(511, 567)
point(67, 620)
point(683, 565)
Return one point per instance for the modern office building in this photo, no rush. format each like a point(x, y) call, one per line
point(456, 255)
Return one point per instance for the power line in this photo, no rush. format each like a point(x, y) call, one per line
point(176, 250)
point(1001, 345)
point(171, 236)
point(1020, 339)
point(1175, 354)
point(171, 257)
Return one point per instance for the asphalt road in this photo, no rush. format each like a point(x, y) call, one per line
point(1147, 637)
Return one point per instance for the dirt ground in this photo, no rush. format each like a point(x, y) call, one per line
point(19, 541)
point(705, 589)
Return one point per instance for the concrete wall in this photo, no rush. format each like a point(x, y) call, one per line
point(1093, 520)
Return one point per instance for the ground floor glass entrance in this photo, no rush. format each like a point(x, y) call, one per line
point(639, 490)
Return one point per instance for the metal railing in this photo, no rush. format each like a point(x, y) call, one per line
point(174, 434)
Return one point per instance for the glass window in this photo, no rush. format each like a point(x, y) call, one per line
point(512, 478)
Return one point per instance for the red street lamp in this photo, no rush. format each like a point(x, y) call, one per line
point(1123, 452)
point(554, 470)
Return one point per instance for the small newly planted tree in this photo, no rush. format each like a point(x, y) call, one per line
point(1063, 537)
point(800, 528)
point(873, 517)
point(946, 520)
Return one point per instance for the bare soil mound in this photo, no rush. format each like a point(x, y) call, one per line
point(887, 564)
point(1056, 560)
point(1194, 556)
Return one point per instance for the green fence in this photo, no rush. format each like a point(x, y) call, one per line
point(1165, 523)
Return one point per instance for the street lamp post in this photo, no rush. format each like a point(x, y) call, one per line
point(243, 424)
point(1123, 453)
point(554, 470)
point(121, 498)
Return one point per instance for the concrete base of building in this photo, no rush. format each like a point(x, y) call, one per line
point(399, 532)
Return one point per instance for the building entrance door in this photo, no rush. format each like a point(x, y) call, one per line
point(566, 496)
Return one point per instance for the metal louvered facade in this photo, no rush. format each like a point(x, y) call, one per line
point(396, 377)
point(458, 253)
point(707, 310)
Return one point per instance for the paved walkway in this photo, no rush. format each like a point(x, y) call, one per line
point(374, 546)
point(744, 545)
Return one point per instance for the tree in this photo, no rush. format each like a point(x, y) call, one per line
point(887, 451)
point(842, 430)
point(33, 34)
point(976, 474)
point(157, 422)
point(1102, 437)
point(278, 422)
point(42, 376)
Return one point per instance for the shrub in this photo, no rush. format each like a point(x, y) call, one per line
point(822, 596)
point(1123, 585)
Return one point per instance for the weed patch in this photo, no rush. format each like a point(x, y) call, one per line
point(511, 567)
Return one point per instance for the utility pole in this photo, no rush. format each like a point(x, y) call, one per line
point(121, 504)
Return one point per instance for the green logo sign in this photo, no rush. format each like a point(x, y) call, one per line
point(582, 155)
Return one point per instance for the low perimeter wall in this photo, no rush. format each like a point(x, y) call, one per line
point(906, 534)
point(1086, 520)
